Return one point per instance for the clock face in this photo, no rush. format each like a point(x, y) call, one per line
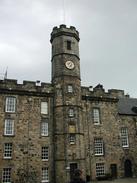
point(69, 64)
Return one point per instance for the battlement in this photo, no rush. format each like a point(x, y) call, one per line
point(64, 30)
point(99, 91)
point(27, 86)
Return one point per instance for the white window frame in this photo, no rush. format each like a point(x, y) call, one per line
point(124, 137)
point(9, 127)
point(98, 146)
point(45, 174)
point(96, 116)
point(45, 153)
point(44, 127)
point(100, 169)
point(72, 138)
point(6, 175)
point(70, 88)
point(44, 108)
point(10, 104)
point(71, 112)
point(7, 150)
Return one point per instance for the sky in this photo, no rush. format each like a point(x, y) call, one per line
point(108, 40)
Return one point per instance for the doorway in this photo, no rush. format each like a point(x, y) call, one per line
point(128, 168)
point(73, 167)
point(113, 168)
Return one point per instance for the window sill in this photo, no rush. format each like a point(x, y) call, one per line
point(125, 147)
point(99, 154)
point(72, 143)
point(10, 112)
point(7, 158)
point(44, 135)
point(97, 124)
point(45, 160)
point(6, 135)
point(45, 114)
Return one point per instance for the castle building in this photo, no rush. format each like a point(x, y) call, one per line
point(47, 130)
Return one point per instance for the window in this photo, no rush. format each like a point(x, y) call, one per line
point(9, 127)
point(72, 138)
point(70, 89)
point(96, 116)
point(69, 45)
point(98, 146)
point(44, 127)
point(10, 104)
point(6, 176)
point(45, 174)
point(44, 108)
point(71, 112)
point(124, 137)
point(100, 169)
point(7, 150)
point(45, 153)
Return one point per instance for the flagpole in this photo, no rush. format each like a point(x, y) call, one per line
point(64, 13)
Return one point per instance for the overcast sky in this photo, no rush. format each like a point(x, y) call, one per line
point(108, 40)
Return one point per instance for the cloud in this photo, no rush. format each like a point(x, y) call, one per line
point(107, 31)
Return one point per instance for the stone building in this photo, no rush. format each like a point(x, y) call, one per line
point(49, 129)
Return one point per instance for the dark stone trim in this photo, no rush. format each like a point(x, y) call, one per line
point(62, 75)
point(9, 136)
point(63, 159)
point(68, 133)
point(68, 106)
point(124, 114)
point(104, 99)
point(23, 92)
point(64, 33)
point(63, 53)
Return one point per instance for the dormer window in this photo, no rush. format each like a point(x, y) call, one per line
point(69, 45)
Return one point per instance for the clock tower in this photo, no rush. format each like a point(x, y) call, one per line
point(65, 52)
point(67, 122)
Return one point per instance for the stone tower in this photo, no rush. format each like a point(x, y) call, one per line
point(68, 126)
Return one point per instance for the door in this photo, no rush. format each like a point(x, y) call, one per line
point(128, 168)
point(113, 168)
point(73, 167)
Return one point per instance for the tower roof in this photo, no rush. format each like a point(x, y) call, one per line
point(64, 30)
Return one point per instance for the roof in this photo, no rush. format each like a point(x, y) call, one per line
point(127, 106)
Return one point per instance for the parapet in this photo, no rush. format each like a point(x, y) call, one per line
point(64, 30)
point(116, 93)
point(27, 86)
point(100, 92)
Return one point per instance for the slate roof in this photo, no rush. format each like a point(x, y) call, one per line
point(127, 106)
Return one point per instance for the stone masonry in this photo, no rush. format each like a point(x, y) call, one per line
point(47, 130)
